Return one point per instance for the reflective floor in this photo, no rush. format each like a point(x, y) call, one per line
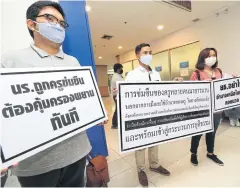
point(175, 156)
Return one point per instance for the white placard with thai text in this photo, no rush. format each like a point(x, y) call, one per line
point(226, 94)
point(42, 107)
point(151, 113)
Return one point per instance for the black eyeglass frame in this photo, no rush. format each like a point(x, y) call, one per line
point(49, 16)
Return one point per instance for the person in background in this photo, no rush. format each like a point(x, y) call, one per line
point(234, 113)
point(109, 85)
point(145, 73)
point(62, 165)
point(234, 116)
point(117, 76)
point(207, 69)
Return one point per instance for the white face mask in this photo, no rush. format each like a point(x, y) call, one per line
point(210, 61)
point(146, 59)
point(54, 33)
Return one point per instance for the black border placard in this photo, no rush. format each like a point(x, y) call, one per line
point(158, 142)
point(214, 98)
point(42, 144)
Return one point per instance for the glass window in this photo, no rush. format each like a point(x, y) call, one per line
point(160, 63)
point(183, 60)
point(126, 68)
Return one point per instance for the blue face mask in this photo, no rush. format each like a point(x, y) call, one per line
point(54, 33)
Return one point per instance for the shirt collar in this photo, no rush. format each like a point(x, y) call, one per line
point(43, 54)
point(118, 74)
point(142, 69)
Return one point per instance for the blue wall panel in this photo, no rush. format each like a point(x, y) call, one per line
point(78, 44)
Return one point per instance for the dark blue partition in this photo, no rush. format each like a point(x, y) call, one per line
point(78, 44)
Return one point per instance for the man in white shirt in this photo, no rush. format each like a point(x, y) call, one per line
point(145, 73)
point(117, 76)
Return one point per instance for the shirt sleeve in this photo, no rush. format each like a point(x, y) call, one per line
point(7, 60)
point(194, 77)
point(113, 83)
point(130, 77)
point(75, 62)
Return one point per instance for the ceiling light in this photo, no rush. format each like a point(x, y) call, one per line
point(160, 27)
point(99, 57)
point(119, 47)
point(88, 8)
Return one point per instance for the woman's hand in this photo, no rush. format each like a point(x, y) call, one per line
point(208, 79)
point(180, 79)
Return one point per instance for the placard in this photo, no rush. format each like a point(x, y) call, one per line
point(226, 94)
point(42, 107)
point(150, 113)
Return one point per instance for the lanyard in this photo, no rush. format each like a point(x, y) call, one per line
point(149, 76)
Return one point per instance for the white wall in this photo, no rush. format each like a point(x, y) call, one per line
point(221, 32)
point(14, 32)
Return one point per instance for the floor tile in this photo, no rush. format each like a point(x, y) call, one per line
point(233, 132)
point(126, 179)
point(129, 178)
point(184, 174)
point(112, 155)
point(149, 185)
point(118, 166)
point(223, 127)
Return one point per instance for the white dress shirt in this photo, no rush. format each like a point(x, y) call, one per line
point(115, 78)
point(141, 74)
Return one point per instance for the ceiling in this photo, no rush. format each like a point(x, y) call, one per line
point(142, 17)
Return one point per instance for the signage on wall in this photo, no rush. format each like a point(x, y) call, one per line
point(183, 4)
point(184, 72)
point(184, 64)
point(158, 69)
point(184, 68)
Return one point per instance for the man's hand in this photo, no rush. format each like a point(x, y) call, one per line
point(104, 123)
point(3, 171)
point(115, 91)
point(180, 79)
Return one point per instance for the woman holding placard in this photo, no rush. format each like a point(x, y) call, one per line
point(207, 69)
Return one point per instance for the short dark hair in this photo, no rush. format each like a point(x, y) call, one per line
point(117, 66)
point(35, 8)
point(140, 46)
point(202, 56)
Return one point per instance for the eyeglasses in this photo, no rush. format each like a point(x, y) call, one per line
point(53, 20)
